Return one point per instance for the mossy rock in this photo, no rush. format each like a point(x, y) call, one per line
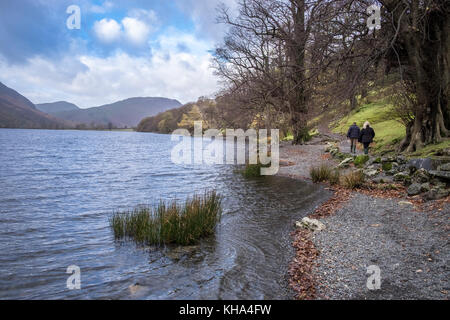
point(361, 160)
point(387, 166)
point(377, 160)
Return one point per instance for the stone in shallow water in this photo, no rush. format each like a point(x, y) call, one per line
point(310, 224)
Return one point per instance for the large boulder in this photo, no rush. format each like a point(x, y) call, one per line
point(445, 167)
point(426, 164)
point(442, 175)
point(310, 224)
point(414, 189)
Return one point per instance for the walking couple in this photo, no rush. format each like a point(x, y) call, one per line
point(364, 136)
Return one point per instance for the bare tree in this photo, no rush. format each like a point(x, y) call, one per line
point(418, 32)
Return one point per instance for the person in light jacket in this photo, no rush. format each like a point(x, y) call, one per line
point(366, 136)
point(353, 135)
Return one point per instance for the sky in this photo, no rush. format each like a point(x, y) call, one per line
point(123, 49)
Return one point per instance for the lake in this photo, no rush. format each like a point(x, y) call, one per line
point(59, 188)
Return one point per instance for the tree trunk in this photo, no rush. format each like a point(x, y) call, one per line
point(298, 98)
point(428, 59)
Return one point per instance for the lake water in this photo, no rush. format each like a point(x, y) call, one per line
point(59, 188)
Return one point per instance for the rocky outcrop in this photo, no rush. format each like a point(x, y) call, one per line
point(427, 177)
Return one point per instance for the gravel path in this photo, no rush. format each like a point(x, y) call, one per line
point(411, 249)
point(301, 159)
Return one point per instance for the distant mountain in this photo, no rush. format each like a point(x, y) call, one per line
point(56, 107)
point(16, 111)
point(126, 113)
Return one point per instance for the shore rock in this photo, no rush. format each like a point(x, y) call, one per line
point(445, 167)
point(436, 193)
point(414, 189)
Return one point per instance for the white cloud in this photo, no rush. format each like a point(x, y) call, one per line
point(107, 30)
point(135, 31)
point(90, 81)
point(105, 7)
point(135, 28)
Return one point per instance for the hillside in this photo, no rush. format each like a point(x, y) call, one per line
point(216, 113)
point(56, 107)
point(379, 111)
point(16, 111)
point(126, 113)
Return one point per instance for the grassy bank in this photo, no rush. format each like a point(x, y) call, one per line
point(170, 223)
point(389, 131)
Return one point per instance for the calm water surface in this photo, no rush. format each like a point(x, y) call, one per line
point(59, 188)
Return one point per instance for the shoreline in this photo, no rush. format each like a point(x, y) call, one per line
point(402, 236)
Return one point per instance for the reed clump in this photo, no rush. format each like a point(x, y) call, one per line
point(170, 222)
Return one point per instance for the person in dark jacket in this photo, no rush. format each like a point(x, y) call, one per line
point(353, 135)
point(366, 136)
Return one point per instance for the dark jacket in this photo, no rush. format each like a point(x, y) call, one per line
point(353, 132)
point(367, 135)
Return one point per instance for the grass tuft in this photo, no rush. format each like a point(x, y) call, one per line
point(170, 223)
point(353, 180)
point(335, 177)
point(321, 173)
